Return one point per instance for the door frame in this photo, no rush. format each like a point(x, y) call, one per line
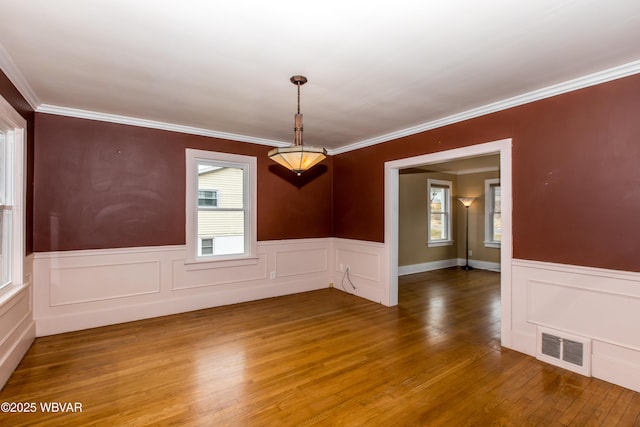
point(391, 220)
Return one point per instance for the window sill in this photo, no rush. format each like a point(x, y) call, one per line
point(492, 245)
point(440, 243)
point(205, 264)
point(8, 292)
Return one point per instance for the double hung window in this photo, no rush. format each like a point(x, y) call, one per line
point(221, 198)
point(439, 212)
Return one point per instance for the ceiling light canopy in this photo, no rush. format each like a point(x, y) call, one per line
point(298, 157)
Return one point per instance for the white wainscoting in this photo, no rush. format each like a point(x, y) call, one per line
point(84, 289)
point(367, 269)
point(17, 329)
point(598, 304)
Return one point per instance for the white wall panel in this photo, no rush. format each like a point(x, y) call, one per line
point(84, 289)
point(367, 268)
point(85, 283)
point(302, 261)
point(198, 276)
point(17, 329)
point(599, 314)
point(598, 304)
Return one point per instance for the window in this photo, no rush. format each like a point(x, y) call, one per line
point(12, 127)
point(208, 198)
point(206, 246)
point(439, 213)
point(492, 214)
point(220, 228)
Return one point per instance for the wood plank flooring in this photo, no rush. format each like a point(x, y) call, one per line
point(319, 358)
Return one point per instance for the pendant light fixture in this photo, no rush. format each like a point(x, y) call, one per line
point(298, 157)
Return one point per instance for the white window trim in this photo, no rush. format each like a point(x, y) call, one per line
point(250, 190)
point(444, 242)
point(488, 241)
point(14, 126)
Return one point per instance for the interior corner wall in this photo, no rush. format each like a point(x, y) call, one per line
point(413, 217)
point(472, 185)
point(104, 185)
point(575, 175)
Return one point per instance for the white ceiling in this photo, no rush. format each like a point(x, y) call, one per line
point(375, 68)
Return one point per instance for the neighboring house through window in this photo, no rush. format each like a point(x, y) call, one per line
point(493, 217)
point(439, 212)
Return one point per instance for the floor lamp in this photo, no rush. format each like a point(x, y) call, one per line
point(466, 201)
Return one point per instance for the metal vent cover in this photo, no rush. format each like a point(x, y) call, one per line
point(565, 350)
point(572, 352)
point(551, 345)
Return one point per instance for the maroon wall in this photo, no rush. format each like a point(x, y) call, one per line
point(9, 92)
point(104, 185)
point(576, 175)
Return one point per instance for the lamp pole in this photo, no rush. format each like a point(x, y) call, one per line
point(466, 201)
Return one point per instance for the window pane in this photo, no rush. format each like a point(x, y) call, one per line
point(227, 227)
point(5, 247)
point(496, 199)
point(3, 172)
point(439, 227)
point(497, 227)
point(438, 199)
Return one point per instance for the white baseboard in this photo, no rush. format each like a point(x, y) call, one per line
point(446, 263)
point(427, 266)
point(481, 265)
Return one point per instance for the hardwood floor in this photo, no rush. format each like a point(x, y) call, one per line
point(318, 358)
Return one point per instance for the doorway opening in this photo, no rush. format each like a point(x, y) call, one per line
point(392, 171)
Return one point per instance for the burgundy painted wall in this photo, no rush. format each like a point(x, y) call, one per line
point(9, 92)
point(576, 175)
point(103, 185)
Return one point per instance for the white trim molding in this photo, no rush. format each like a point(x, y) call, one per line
point(614, 73)
point(14, 75)
point(403, 270)
point(152, 124)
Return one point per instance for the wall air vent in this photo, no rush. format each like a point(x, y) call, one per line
point(564, 350)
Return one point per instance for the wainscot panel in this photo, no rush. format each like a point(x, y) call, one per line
point(17, 329)
point(76, 290)
point(360, 269)
point(603, 306)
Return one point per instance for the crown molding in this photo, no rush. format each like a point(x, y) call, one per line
point(14, 75)
point(614, 73)
point(125, 120)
